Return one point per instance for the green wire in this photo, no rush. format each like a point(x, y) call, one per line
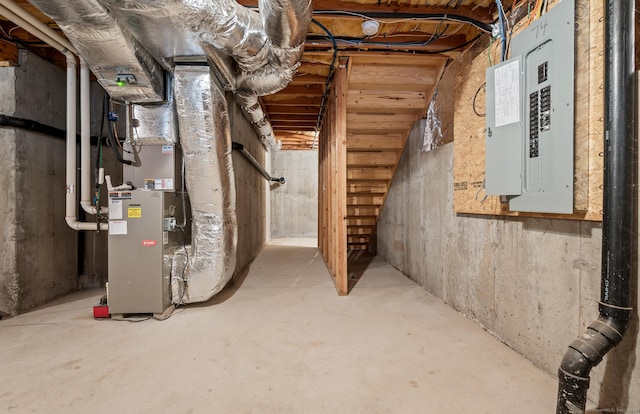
point(99, 166)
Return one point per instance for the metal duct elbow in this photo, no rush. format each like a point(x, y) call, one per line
point(285, 24)
point(286, 21)
point(202, 269)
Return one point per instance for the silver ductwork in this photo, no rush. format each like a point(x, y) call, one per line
point(253, 54)
point(266, 46)
point(123, 67)
point(202, 269)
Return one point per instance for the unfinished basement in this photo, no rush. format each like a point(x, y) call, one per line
point(319, 206)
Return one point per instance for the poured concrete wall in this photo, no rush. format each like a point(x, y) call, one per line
point(39, 252)
point(294, 206)
point(251, 189)
point(534, 283)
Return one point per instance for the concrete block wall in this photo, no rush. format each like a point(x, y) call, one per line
point(39, 252)
point(533, 283)
point(294, 206)
point(251, 189)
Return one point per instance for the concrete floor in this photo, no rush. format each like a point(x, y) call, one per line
point(281, 341)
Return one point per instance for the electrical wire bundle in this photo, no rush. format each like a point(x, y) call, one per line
point(504, 31)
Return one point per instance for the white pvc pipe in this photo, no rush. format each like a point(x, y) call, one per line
point(71, 214)
point(46, 34)
point(85, 142)
point(35, 27)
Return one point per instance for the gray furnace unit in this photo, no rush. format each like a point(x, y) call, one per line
point(142, 239)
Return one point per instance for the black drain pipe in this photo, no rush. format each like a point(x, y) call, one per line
point(240, 148)
point(618, 207)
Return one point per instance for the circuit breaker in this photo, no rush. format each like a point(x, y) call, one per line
point(530, 117)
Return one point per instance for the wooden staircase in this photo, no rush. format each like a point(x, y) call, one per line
point(386, 95)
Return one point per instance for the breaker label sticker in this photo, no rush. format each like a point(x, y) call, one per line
point(134, 212)
point(117, 227)
point(507, 94)
point(149, 243)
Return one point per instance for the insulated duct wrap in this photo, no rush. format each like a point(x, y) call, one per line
point(152, 124)
point(266, 47)
point(111, 53)
point(255, 114)
point(202, 269)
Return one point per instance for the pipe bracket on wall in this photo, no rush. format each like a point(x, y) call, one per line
point(241, 149)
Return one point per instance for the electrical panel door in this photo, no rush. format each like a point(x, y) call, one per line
point(545, 51)
point(504, 128)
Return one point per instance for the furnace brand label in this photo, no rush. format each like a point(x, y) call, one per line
point(149, 243)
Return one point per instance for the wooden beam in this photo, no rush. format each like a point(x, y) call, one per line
point(8, 54)
point(364, 200)
point(479, 13)
point(309, 80)
point(356, 239)
point(369, 159)
point(385, 100)
point(294, 135)
point(293, 117)
point(341, 87)
point(302, 90)
point(367, 117)
point(357, 246)
point(435, 47)
point(360, 230)
point(355, 211)
point(287, 100)
point(361, 221)
point(377, 142)
point(294, 128)
point(384, 76)
point(287, 110)
point(370, 174)
point(366, 187)
point(392, 58)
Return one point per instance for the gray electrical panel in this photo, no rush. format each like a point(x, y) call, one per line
point(142, 240)
point(530, 154)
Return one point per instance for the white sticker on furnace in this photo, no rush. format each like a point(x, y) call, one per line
point(115, 209)
point(117, 227)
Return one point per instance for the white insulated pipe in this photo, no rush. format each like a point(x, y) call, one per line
point(85, 141)
point(71, 214)
point(34, 26)
point(29, 23)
